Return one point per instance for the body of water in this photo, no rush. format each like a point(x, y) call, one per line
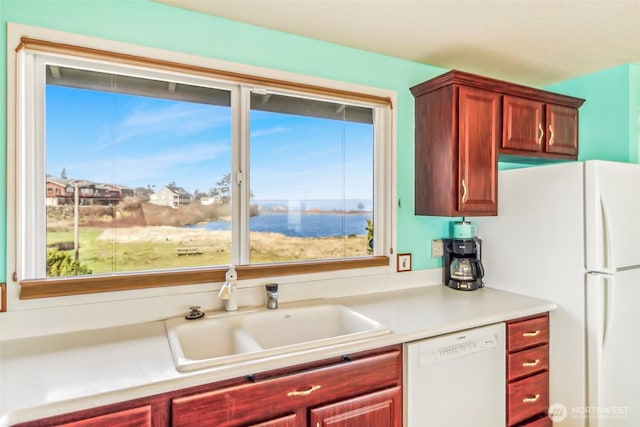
point(298, 224)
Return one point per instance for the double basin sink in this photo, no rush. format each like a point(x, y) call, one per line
point(218, 339)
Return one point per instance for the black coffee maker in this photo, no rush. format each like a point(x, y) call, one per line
point(462, 267)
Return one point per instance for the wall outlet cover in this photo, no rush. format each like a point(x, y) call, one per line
point(437, 248)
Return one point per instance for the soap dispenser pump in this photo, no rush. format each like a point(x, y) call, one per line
point(228, 291)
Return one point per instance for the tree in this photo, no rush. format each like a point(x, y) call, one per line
point(369, 229)
point(198, 195)
point(63, 174)
point(63, 264)
point(223, 188)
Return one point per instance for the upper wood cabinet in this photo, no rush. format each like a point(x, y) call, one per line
point(464, 123)
point(540, 129)
point(456, 151)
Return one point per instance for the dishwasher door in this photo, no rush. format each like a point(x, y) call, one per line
point(456, 380)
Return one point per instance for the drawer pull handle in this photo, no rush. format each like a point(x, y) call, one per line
point(304, 392)
point(532, 363)
point(530, 399)
point(531, 334)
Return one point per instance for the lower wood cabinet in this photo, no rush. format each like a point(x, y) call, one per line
point(367, 389)
point(363, 389)
point(528, 372)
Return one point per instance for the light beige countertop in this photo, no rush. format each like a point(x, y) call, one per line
point(45, 376)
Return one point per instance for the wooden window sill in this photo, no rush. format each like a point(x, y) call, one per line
point(56, 287)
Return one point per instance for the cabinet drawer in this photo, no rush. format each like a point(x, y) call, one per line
point(527, 362)
point(527, 397)
point(136, 417)
point(527, 333)
point(278, 396)
point(540, 422)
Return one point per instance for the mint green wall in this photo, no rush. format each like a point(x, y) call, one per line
point(143, 22)
point(608, 127)
point(634, 112)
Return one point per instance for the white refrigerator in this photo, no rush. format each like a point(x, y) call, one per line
point(570, 233)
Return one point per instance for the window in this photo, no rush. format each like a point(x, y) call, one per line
point(165, 176)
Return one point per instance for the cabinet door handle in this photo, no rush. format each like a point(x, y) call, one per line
point(304, 392)
point(531, 334)
point(551, 135)
point(541, 134)
point(532, 363)
point(464, 192)
point(530, 399)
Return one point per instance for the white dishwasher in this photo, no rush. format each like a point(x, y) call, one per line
point(456, 380)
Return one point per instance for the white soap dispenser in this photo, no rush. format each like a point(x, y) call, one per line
point(228, 291)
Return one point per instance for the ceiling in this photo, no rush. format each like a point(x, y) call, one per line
point(532, 42)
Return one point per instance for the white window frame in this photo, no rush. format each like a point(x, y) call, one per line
point(28, 169)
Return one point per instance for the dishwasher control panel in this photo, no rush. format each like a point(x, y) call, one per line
point(457, 350)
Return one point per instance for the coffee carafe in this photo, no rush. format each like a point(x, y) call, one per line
point(463, 268)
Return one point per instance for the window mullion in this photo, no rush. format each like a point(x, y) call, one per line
point(32, 229)
point(241, 194)
point(383, 152)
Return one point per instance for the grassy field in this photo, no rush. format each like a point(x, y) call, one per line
point(138, 236)
point(148, 248)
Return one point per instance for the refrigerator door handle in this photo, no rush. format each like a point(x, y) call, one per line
point(599, 299)
point(598, 237)
point(602, 237)
point(607, 262)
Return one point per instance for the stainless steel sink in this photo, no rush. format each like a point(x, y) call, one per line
point(228, 338)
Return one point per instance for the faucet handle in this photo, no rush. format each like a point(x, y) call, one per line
point(195, 313)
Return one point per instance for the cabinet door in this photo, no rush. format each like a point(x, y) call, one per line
point(523, 124)
point(562, 130)
point(478, 139)
point(380, 409)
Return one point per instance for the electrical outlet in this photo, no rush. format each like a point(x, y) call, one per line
point(437, 248)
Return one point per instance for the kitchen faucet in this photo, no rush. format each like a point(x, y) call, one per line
point(272, 295)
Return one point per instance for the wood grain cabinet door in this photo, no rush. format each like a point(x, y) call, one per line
point(379, 409)
point(523, 124)
point(478, 142)
point(562, 130)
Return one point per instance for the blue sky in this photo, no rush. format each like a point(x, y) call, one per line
point(138, 141)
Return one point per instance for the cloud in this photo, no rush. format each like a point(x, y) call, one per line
point(155, 168)
point(169, 118)
point(270, 131)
